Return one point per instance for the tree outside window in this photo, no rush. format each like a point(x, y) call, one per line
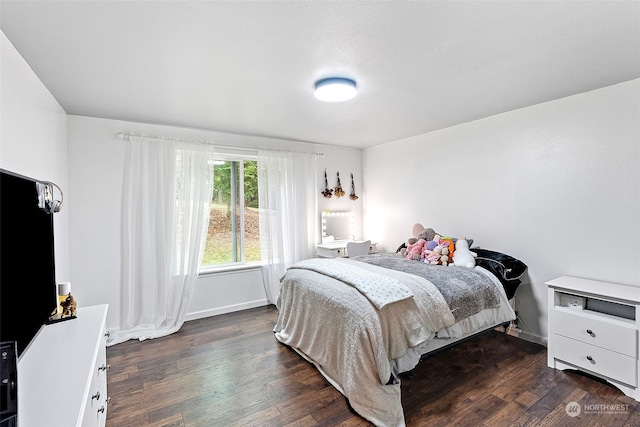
point(233, 235)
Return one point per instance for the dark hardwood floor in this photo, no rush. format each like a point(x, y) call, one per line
point(229, 370)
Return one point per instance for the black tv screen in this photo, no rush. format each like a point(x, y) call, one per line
point(27, 260)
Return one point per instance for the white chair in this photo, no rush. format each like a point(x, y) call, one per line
point(358, 248)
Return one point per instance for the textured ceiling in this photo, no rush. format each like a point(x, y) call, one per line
point(249, 67)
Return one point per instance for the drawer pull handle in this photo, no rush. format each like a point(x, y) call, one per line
point(96, 396)
point(108, 334)
point(590, 332)
point(590, 359)
point(104, 367)
point(101, 409)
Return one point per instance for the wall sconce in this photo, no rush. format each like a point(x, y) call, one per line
point(46, 200)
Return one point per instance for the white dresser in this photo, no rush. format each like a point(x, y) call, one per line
point(594, 327)
point(62, 376)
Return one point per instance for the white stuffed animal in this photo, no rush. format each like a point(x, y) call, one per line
point(462, 256)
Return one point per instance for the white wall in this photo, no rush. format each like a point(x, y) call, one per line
point(96, 167)
point(556, 185)
point(33, 138)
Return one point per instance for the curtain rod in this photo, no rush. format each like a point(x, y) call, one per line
point(128, 136)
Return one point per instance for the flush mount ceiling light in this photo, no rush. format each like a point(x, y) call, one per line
point(335, 89)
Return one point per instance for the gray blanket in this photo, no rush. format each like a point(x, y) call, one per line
point(466, 290)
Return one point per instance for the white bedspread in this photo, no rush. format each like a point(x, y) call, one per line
point(380, 289)
point(355, 350)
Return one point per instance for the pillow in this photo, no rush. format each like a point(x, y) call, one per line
point(506, 268)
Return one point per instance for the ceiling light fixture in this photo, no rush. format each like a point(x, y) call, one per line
point(335, 89)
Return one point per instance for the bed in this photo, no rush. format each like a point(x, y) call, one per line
point(363, 321)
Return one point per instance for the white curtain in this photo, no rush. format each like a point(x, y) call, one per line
point(166, 204)
point(288, 223)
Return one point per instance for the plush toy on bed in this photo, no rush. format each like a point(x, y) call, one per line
point(403, 249)
point(428, 255)
point(438, 251)
point(433, 257)
point(446, 253)
point(420, 232)
point(451, 245)
point(420, 237)
point(414, 252)
point(463, 257)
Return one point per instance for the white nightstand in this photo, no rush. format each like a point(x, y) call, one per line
point(593, 327)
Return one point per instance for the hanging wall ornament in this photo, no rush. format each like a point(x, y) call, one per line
point(353, 196)
point(339, 192)
point(327, 191)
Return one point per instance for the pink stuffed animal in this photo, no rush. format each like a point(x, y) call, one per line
point(430, 246)
point(432, 257)
point(414, 252)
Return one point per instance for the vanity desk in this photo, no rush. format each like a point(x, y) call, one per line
point(338, 248)
point(337, 231)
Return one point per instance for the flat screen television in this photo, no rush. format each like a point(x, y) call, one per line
point(27, 261)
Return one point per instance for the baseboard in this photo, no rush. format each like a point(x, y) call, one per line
point(226, 309)
point(528, 336)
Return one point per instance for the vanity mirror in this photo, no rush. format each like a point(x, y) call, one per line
point(337, 226)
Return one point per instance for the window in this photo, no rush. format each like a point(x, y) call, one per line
point(233, 236)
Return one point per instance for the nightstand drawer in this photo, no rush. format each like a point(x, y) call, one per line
point(579, 325)
point(598, 360)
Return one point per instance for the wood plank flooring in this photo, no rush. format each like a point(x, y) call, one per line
point(229, 370)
